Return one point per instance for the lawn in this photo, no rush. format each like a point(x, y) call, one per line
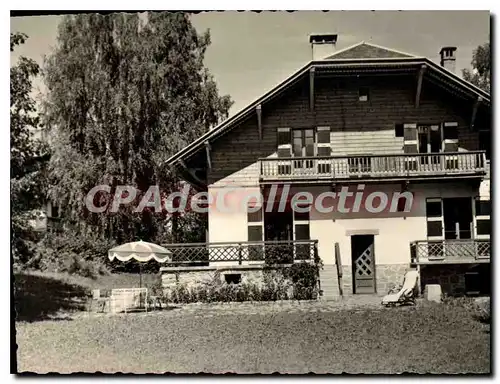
point(427, 339)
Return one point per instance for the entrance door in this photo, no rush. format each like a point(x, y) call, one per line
point(363, 263)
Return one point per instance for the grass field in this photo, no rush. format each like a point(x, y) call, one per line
point(429, 339)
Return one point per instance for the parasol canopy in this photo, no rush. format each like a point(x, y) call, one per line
point(140, 251)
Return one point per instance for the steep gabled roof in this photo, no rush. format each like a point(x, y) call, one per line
point(365, 50)
point(385, 61)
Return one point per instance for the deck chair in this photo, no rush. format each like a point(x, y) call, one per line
point(406, 293)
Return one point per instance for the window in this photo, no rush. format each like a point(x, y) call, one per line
point(483, 207)
point(485, 142)
point(255, 233)
point(283, 137)
point(254, 217)
point(433, 209)
point(232, 278)
point(483, 226)
point(303, 142)
point(363, 94)
point(298, 216)
point(434, 228)
point(399, 130)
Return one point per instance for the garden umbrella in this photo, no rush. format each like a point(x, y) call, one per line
point(141, 251)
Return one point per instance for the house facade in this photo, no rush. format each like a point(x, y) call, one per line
point(394, 151)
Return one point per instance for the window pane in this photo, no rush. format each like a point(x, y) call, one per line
point(450, 133)
point(410, 134)
point(297, 147)
point(283, 137)
point(309, 133)
point(483, 227)
point(434, 228)
point(433, 208)
point(323, 136)
point(483, 207)
point(298, 216)
point(310, 149)
point(324, 151)
point(297, 134)
point(255, 217)
point(255, 233)
point(302, 232)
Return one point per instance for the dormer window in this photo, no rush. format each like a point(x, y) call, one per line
point(363, 94)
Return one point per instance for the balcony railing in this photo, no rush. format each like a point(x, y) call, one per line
point(450, 251)
point(270, 252)
point(374, 166)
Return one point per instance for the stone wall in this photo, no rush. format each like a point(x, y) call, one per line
point(452, 278)
point(386, 276)
point(190, 276)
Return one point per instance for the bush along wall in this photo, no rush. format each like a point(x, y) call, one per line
point(296, 282)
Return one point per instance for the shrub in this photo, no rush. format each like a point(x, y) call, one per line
point(299, 282)
point(483, 311)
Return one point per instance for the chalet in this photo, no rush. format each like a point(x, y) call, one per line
point(365, 118)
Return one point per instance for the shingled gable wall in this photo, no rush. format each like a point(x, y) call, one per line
point(356, 127)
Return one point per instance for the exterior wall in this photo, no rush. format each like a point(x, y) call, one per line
point(356, 127)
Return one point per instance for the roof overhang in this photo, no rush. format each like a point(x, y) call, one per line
point(334, 67)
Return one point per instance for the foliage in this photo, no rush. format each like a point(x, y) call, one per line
point(296, 283)
point(84, 255)
point(125, 92)
point(305, 277)
point(28, 156)
point(480, 75)
point(479, 307)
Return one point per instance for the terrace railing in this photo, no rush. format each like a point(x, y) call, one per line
point(374, 166)
point(270, 252)
point(459, 251)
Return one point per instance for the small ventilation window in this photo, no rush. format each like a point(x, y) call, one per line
point(233, 278)
point(363, 94)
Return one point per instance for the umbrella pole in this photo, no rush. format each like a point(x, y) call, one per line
point(140, 275)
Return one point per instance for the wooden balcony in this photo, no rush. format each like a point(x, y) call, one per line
point(269, 252)
point(376, 167)
point(450, 251)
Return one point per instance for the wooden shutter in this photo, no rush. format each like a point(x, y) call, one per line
point(324, 148)
point(410, 138)
point(410, 145)
point(435, 228)
point(450, 137)
point(284, 142)
point(284, 151)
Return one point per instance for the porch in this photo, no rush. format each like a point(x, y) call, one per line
point(466, 251)
point(378, 167)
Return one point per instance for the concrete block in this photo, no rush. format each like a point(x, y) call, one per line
point(433, 292)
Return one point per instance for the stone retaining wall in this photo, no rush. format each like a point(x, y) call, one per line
point(452, 278)
point(386, 276)
point(191, 276)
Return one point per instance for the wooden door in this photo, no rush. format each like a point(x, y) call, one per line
point(363, 263)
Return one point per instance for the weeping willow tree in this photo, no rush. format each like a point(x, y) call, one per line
point(125, 92)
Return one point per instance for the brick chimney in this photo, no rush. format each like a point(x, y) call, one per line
point(322, 46)
point(448, 58)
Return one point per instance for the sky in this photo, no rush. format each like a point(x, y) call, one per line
point(253, 52)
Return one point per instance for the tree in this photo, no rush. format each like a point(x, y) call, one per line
point(28, 155)
point(480, 75)
point(125, 93)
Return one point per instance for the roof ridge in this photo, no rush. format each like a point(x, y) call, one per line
point(390, 49)
point(346, 49)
